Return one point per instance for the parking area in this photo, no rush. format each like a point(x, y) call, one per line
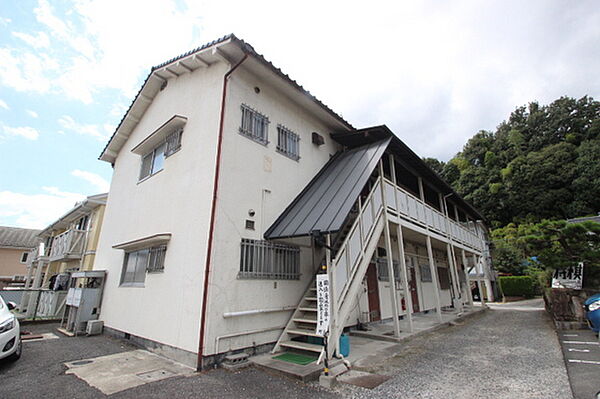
point(40, 373)
point(581, 350)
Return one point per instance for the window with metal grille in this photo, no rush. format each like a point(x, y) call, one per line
point(266, 260)
point(288, 142)
point(254, 125)
point(137, 263)
point(173, 142)
point(156, 262)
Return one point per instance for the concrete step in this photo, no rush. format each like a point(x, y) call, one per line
point(310, 298)
point(302, 346)
point(306, 309)
point(303, 331)
point(304, 320)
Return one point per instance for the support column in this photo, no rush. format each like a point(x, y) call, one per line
point(333, 321)
point(436, 281)
point(457, 300)
point(388, 248)
point(467, 279)
point(404, 278)
point(34, 295)
point(479, 285)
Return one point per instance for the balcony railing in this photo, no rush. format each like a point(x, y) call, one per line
point(410, 207)
point(68, 245)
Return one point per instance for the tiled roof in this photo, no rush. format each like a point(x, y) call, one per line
point(18, 237)
point(248, 48)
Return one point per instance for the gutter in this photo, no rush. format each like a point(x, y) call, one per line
point(202, 339)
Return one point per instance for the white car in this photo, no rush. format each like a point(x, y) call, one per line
point(10, 338)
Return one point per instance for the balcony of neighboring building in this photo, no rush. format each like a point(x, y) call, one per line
point(67, 246)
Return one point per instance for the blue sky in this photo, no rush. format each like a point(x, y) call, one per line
point(435, 72)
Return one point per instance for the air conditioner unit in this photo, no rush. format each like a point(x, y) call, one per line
point(94, 327)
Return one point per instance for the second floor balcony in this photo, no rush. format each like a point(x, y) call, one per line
point(67, 245)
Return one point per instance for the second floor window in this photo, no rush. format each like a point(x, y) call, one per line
point(288, 142)
point(153, 161)
point(254, 125)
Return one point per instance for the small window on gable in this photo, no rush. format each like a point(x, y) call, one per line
point(24, 257)
point(288, 143)
point(153, 161)
point(254, 125)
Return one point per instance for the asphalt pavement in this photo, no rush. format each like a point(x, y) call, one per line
point(581, 350)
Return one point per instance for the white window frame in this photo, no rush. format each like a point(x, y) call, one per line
point(288, 143)
point(26, 256)
point(254, 125)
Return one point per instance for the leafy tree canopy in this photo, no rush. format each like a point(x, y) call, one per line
point(543, 162)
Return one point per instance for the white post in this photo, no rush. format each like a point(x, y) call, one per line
point(436, 281)
point(332, 303)
point(390, 263)
point(457, 300)
point(404, 277)
point(479, 285)
point(33, 296)
point(466, 271)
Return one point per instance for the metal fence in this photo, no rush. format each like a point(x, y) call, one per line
point(37, 303)
point(12, 295)
point(266, 260)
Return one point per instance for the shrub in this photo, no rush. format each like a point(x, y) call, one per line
point(517, 286)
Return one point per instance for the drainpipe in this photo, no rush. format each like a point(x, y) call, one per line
point(212, 217)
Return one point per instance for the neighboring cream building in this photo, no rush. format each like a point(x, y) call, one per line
point(231, 182)
point(15, 245)
point(69, 244)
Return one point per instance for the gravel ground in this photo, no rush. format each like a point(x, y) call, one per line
point(499, 354)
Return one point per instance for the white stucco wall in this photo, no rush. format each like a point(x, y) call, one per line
point(175, 200)
point(248, 169)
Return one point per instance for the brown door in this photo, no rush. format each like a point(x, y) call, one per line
point(413, 290)
point(373, 293)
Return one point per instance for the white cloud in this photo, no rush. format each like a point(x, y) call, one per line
point(31, 113)
point(100, 183)
point(40, 41)
point(4, 105)
point(35, 211)
point(69, 123)
point(25, 71)
point(5, 21)
point(22, 131)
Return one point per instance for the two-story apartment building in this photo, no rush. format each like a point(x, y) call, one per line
point(69, 244)
point(233, 185)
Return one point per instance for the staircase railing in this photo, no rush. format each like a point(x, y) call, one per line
point(348, 267)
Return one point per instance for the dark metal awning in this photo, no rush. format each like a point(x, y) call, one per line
point(324, 204)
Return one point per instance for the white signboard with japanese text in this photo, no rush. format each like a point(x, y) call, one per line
point(323, 304)
point(570, 277)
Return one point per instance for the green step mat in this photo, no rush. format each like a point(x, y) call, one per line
point(296, 358)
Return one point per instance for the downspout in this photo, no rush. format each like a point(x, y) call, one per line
point(212, 217)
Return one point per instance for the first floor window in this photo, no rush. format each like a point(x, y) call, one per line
point(383, 271)
point(137, 263)
point(262, 259)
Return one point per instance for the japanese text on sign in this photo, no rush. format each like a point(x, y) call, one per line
point(570, 277)
point(323, 304)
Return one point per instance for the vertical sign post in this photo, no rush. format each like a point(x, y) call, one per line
point(323, 304)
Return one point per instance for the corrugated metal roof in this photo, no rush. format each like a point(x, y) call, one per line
point(326, 201)
point(17, 237)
